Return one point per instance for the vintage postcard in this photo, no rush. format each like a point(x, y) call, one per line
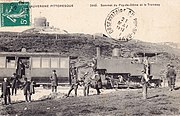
point(90, 57)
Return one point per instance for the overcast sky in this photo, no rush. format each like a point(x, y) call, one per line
point(155, 23)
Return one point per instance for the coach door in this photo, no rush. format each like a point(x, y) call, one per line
point(23, 67)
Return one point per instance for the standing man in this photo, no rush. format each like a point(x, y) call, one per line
point(86, 83)
point(54, 81)
point(32, 90)
point(87, 80)
point(74, 82)
point(27, 90)
point(171, 77)
point(144, 81)
point(5, 88)
point(14, 83)
point(97, 82)
point(20, 68)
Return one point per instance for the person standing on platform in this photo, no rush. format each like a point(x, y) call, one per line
point(20, 69)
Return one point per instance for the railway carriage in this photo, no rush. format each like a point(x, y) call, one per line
point(35, 66)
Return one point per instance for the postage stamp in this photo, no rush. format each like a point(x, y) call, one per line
point(14, 14)
point(121, 24)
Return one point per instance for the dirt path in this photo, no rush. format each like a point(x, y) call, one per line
point(111, 103)
point(40, 92)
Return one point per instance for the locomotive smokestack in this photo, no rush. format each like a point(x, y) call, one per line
point(98, 51)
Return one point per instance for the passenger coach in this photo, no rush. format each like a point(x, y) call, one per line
point(37, 66)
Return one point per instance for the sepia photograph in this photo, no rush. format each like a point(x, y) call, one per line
point(89, 58)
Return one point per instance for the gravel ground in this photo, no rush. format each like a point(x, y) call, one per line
point(41, 92)
point(121, 102)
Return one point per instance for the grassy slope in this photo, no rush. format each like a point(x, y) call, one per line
point(83, 45)
point(66, 42)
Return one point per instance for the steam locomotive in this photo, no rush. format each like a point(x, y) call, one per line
point(127, 72)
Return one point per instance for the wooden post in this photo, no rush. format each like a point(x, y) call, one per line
point(144, 84)
point(128, 82)
point(144, 91)
point(164, 81)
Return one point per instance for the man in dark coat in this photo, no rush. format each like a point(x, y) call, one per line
point(97, 82)
point(20, 69)
point(27, 90)
point(5, 88)
point(87, 81)
point(171, 77)
point(75, 82)
point(14, 83)
point(54, 81)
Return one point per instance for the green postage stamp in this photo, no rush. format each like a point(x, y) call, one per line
point(14, 14)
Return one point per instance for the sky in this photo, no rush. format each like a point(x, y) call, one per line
point(154, 23)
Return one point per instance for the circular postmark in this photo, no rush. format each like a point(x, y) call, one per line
point(121, 24)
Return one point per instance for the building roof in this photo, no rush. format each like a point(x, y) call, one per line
point(30, 54)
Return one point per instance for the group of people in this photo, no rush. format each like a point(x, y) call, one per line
point(88, 80)
point(9, 87)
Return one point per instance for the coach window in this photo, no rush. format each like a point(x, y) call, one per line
point(54, 62)
point(2, 62)
point(10, 61)
point(36, 62)
point(64, 63)
point(45, 62)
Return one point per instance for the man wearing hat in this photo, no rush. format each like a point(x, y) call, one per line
point(5, 88)
point(74, 82)
point(27, 89)
point(96, 80)
point(54, 81)
point(171, 76)
point(87, 81)
point(14, 83)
